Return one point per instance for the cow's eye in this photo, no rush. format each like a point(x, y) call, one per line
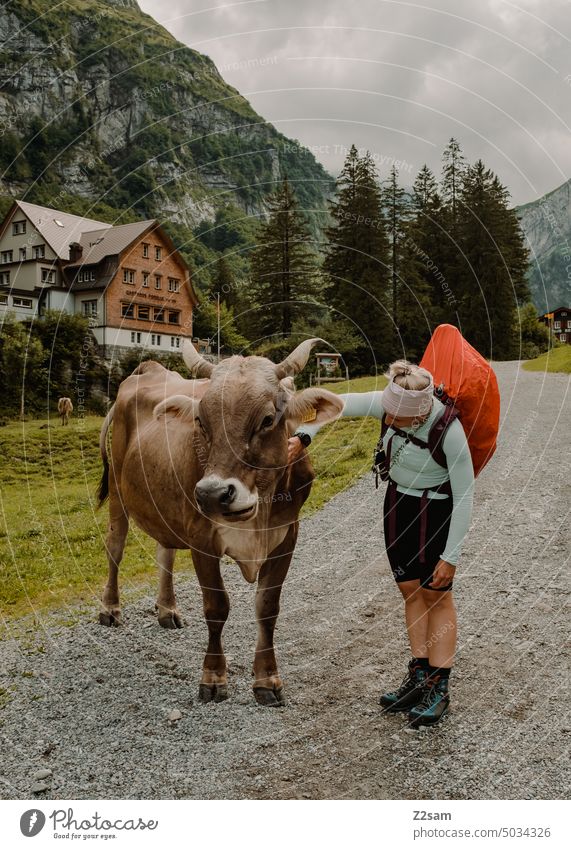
point(267, 422)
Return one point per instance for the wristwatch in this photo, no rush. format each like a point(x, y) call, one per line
point(304, 438)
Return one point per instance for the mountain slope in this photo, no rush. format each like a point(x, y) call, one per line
point(547, 226)
point(98, 100)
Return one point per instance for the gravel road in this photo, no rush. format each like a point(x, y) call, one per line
point(87, 710)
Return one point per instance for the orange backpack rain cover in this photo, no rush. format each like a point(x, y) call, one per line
point(471, 384)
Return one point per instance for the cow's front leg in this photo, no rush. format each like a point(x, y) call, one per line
point(268, 686)
point(169, 616)
point(214, 684)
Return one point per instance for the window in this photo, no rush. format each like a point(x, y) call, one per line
point(4, 278)
point(174, 317)
point(158, 252)
point(22, 254)
point(89, 308)
point(48, 275)
point(128, 275)
point(146, 276)
point(18, 228)
point(159, 314)
point(175, 341)
point(157, 281)
point(135, 338)
point(146, 250)
point(39, 251)
point(144, 313)
point(92, 275)
point(174, 284)
point(22, 302)
point(127, 310)
point(3, 299)
point(155, 339)
point(563, 337)
point(557, 325)
point(6, 256)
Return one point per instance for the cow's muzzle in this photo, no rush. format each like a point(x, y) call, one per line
point(227, 497)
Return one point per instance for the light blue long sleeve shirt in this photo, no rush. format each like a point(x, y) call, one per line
point(415, 470)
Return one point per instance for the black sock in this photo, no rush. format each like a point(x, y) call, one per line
point(439, 671)
point(422, 662)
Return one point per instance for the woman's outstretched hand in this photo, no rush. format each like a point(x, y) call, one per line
point(442, 575)
point(294, 449)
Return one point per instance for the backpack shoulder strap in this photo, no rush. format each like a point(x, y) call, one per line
point(438, 432)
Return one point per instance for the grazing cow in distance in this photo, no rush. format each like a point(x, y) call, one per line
point(202, 465)
point(65, 409)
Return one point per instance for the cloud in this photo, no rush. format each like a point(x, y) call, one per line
point(400, 78)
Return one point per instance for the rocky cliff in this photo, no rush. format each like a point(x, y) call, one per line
point(547, 225)
point(98, 100)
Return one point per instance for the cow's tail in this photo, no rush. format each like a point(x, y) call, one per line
point(103, 490)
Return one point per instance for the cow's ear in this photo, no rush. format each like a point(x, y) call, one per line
point(314, 406)
point(179, 406)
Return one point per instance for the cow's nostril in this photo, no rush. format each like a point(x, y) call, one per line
point(228, 495)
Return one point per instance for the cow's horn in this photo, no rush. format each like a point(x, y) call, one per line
point(196, 364)
point(297, 360)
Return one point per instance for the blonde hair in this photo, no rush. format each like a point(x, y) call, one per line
point(408, 375)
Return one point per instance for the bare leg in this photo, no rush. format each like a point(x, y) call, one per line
point(416, 615)
point(114, 544)
point(442, 627)
point(214, 683)
point(169, 617)
point(268, 686)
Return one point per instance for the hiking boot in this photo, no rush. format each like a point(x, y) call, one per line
point(434, 704)
point(409, 693)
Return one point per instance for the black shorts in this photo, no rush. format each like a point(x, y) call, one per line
point(404, 551)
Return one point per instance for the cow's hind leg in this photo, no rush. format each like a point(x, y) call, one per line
point(214, 683)
point(268, 686)
point(114, 544)
point(169, 617)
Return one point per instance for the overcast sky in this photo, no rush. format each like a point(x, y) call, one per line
point(400, 78)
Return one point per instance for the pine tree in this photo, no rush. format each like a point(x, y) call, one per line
point(357, 261)
point(224, 283)
point(410, 301)
point(427, 240)
point(284, 266)
point(453, 172)
point(489, 245)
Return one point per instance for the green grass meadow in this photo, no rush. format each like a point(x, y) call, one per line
point(556, 360)
point(51, 534)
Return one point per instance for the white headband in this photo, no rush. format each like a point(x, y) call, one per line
point(408, 403)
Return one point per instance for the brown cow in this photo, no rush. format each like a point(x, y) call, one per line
point(65, 409)
point(202, 465)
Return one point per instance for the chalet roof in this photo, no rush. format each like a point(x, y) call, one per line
point(59, 228)
point(552, 312)
point(110, 241)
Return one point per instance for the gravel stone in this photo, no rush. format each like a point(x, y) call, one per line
point(42, 773)
point(507, 733)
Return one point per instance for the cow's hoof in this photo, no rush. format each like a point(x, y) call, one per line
point(270, 697)
point(213, 693)
point(171, 620)
point(111, 618)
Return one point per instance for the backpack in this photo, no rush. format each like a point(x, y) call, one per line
point(466, 384)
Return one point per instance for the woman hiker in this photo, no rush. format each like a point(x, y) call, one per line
point(427, 512)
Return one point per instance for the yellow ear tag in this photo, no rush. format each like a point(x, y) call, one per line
point(310, 416)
